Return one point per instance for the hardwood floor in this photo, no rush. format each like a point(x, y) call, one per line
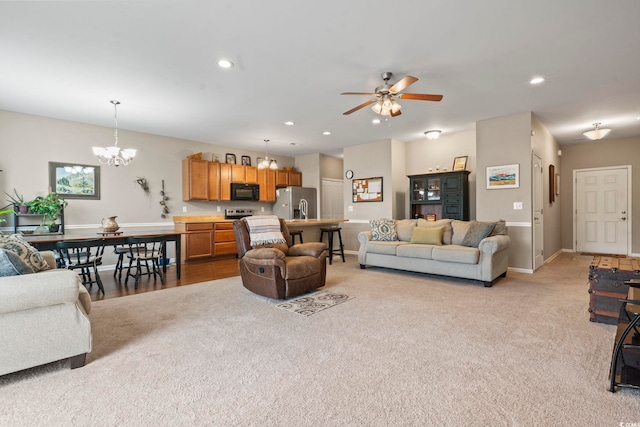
point(191, 273)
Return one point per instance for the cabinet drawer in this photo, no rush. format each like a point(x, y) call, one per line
point(224, 225)
point(225, 248)
point(224, 236)
point(199, 227)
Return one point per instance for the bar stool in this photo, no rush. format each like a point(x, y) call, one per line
point(295, 233)
point(330, 233)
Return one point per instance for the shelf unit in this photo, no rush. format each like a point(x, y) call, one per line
point(23, 220)
point(443, 194)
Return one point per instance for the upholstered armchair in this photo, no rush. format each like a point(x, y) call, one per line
point(279, 270)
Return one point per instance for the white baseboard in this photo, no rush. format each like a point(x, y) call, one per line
point(520, 270)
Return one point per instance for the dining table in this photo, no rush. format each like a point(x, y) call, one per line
point(47, 242)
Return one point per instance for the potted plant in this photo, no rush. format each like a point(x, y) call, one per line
point(50, 206)
point(17, 199)
point(5, 212)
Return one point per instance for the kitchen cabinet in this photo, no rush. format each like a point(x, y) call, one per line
point(295, 178)
point(238, 173)
point(195, 179)
point(224, 240)
point(225, 181)
point(251, 175)
point(214, 181)
point(267, 182)
point(198, 241)
point(285, 178)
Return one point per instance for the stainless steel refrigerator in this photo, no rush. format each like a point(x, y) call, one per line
point(291, 201)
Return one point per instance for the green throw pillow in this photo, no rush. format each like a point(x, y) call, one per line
point(427, 236)
point(383, 230)
point(12, 265)
point(477, 231)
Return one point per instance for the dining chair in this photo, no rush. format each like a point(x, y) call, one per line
point(145, 252)
point(83, 255)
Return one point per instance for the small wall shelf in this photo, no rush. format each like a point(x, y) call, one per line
point(24, 222)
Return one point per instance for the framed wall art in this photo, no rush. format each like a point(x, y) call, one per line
point(505, 176)
point(459, 163)
point(230, 158)
point(246, 160)
point(75, 181)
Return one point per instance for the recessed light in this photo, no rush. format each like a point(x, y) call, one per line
point(536, 80)
point(225, 63)
point(326, 133)
point(289, 123)
point(375, 121)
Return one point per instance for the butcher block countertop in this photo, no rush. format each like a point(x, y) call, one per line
point(220, 218)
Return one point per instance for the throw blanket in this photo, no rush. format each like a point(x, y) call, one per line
point(264, 230)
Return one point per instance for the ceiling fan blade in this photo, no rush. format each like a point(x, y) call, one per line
point(395, 114)
point(359, 107)
point(358, 93)
point(420, 96)
point(403, 84)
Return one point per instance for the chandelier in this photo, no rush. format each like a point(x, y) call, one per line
point(596, 133)
point(267, 163)
point(114, 156)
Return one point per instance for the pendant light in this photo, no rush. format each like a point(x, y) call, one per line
point(267, 163)
point(596, 133)
point(114, 156)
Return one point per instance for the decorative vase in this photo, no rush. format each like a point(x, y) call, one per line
point(109, 224)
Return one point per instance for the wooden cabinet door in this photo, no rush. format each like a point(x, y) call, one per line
point(225, 181)
point(214, 181)
point(198, 241)
point(282, 178)
point(267, 182)
point(238, 173)
point(295, 178)
point(251, 175)
point(195, 179)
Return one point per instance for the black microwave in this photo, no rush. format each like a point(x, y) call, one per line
point(245, 191)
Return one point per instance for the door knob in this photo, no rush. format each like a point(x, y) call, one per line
point(624, 218)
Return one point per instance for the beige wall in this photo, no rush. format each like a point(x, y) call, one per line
point(331, 167)
point(596, 154)
point(29, 142)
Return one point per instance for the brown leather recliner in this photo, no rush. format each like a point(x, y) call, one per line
point(280, 270)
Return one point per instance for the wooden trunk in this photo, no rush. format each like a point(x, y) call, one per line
point(607, 288)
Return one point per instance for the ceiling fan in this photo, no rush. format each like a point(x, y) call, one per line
point(384, 101)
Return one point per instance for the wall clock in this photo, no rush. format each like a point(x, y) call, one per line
point(349, 174)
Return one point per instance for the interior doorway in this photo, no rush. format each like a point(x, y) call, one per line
point(602, 210)
point(332, 198)
point(538, 212)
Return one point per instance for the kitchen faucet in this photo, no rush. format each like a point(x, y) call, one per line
point(304, 207)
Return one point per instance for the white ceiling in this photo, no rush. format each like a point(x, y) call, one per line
point(293, 58)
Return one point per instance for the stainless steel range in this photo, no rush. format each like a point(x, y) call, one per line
point(237, 213)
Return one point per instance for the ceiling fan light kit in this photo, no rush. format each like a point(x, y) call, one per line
point(597, 132)
point(384, 102)
point(433, 134)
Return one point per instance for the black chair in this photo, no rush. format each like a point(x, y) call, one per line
point(295, 233)
point(142, 251)
point(331, 231)
point(83, 255)
point(121, 251)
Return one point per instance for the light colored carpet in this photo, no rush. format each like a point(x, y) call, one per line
point(313, 302)
point(407, 350)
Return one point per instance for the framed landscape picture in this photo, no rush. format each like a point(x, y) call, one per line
point(75, 181)
point(459, 163)
point(505, 176)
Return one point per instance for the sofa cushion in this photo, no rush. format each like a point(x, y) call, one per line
point(30, 255)
point(500, 229)
point(12, 265)
point(427, 235)
point(383, 230)
point(415, 251)
point(456, 253)
point(476, 232)
point(405, 227)
point(384, 248)
point(459, 230)
point(446, 223)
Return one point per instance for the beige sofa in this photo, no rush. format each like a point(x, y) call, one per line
point(43, 318)
point(484, 263)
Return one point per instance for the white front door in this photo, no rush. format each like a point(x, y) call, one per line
point(538, 219)
point(602, 214)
